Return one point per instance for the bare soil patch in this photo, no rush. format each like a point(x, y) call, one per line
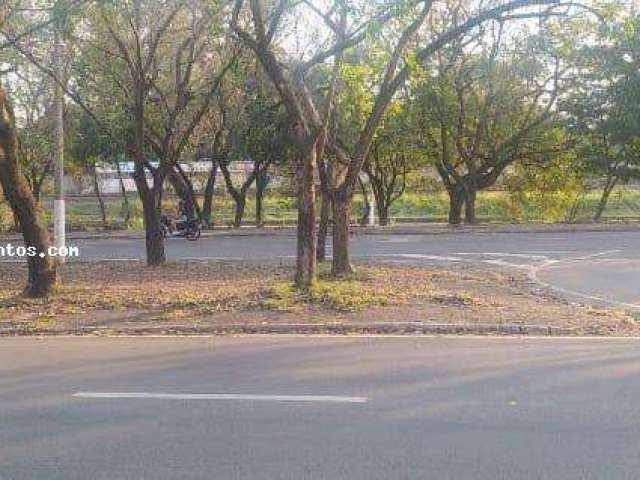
point(218, 296)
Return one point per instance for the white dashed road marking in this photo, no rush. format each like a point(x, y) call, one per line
point(220, 396)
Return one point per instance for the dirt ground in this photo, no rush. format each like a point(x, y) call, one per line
point(219, 297)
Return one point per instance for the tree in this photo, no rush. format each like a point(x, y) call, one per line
point(613, 159)
point(41, 267)
point(486, 107)
point(312, 128)
point(602, 106)
point(239, 195)
point(393, 152)
point(215, 127)
point(42, 271)
point(393, 155)
point(547, 187)
point(305, 119)
point(89, 149)
point(162, 67)
point(261, 137)
point(35, 145)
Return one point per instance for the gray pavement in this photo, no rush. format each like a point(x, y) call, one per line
point(436, 408)
point(555, 244)
point(595, 267)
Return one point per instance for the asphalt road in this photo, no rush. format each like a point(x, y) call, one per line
point(428, 408)
point(601, 268)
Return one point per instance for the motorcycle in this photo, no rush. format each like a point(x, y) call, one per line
point(190, 229)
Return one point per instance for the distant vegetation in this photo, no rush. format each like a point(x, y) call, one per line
point(493, 206)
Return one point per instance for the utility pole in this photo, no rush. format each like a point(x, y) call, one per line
point(59, 220)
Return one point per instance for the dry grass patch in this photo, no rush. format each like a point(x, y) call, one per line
point(204, 288)
point(351, 293)
point(199, 288)
point(194, 294)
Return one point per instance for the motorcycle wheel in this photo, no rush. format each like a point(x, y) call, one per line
point(193, 234)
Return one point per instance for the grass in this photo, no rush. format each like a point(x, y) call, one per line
point(498, 206)
point(352, 293)
point(493, 206)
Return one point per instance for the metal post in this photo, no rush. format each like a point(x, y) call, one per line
point(59, 220)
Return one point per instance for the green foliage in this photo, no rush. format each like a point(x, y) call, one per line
point(476, 102)
point(261, 132)
point(547, 192)
point(603, 109)
point(355, 100)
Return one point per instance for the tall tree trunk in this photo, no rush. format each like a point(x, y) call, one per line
point(98, 194)
point(470, 206)
point(261, 185)
point(259, 215)
point(325, 210)
point(37, 190)
point(364, 220)
point(183, 187)
point(126, 208)
point(41, 267)
point(207, 205)
point(604, 199)
point(239, 195)
point(241, 201)
point(382, 202)
point(306, 261)
point(456, 201)
point(153, 231)
point(341, 213)
point(180, 187)
point(383, 213)
point(16, 223)
point(151, 198)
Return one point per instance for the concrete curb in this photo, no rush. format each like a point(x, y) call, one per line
point(410, 328)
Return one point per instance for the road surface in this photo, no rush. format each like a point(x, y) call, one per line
point(599, 268)
point(319, 408)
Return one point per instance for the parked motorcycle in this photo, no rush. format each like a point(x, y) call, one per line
point(189, 229)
